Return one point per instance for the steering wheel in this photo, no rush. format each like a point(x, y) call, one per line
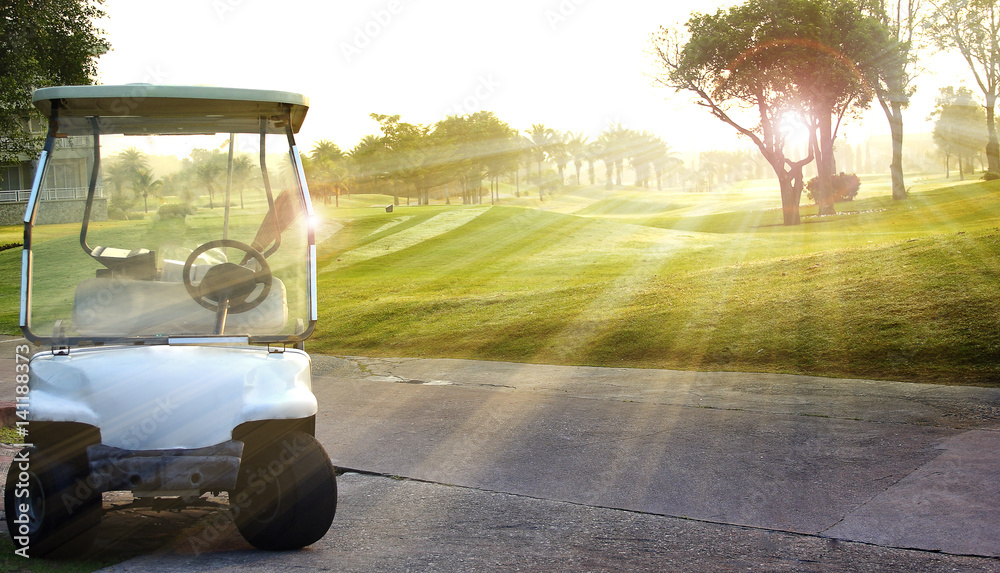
point(226, 286)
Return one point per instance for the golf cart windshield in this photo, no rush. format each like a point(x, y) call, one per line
point(162, 212)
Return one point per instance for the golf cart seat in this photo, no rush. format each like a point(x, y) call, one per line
point(113, 306)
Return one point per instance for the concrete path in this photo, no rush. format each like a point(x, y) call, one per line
point(580, 468)
point(895, 464)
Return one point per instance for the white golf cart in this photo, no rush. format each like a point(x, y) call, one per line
point(172, 360)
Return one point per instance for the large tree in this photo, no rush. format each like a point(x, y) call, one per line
point(892, 71)
point(774, 59)
point(42, 43)
point(973, 28)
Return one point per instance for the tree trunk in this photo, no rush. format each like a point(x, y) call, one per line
point(789, 200)
point(824, 164)
point(993, 147)
point(896, 167)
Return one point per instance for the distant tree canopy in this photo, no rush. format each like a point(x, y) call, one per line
point(959, 127)
point(42, 43)
point(782, 59)
point(461, 151)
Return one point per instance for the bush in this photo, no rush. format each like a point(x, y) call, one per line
point(845, 187)
point(119, 206)
point(175, 211)
point(991, 176)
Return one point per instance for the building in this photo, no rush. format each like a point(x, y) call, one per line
point(67, 181)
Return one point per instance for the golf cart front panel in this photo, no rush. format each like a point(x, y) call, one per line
point(184, 403)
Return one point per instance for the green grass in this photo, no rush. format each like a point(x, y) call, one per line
point(902, 290)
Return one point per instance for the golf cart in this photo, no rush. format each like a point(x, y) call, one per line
point(172, 362)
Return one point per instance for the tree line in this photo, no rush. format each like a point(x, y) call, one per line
point(460, 152)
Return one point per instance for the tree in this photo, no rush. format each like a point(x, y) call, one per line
point(42, 43)
point(368, 159)
point(325, 170)
point(615, 142)
point(146, 185)
point(664, 161)
point(959, 128)
point(576, 147)
point(243, 170)
point(559, 154)
point(891, 75)
point(133, 160)
point(973, 28)
point(208, 166)
point(778, 58)
point(541, 139)
point(118, 174)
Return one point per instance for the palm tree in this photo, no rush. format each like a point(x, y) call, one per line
point(576, 146)
point(207, 172)
point(368, 159)
point(615, 142)
point(593, 154)
point(326, 150)
point(665, 159)
point(133, 160)
point(557, 152)
point(146, 185)
point(541, 141)
point(118, 174)
point(243, 168)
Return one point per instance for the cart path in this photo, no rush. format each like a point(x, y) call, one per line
point(598, 468)
point(895, 464)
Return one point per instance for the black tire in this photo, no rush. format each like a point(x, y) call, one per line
point(55, 508)
point(286, 493)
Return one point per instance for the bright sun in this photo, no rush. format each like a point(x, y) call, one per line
point(794, 129)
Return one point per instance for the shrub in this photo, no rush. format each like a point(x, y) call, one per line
point(175, 211)
point(991, 176)
point(845, 187)
point(119, 206)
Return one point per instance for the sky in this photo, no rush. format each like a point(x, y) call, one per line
point(576, 65)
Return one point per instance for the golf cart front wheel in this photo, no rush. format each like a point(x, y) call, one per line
point(50, 507)
point(286, 494)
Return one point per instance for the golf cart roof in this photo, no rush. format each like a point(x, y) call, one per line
point(144, 108)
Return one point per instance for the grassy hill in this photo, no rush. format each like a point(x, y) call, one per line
point(904, 290)
point(899, 290)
